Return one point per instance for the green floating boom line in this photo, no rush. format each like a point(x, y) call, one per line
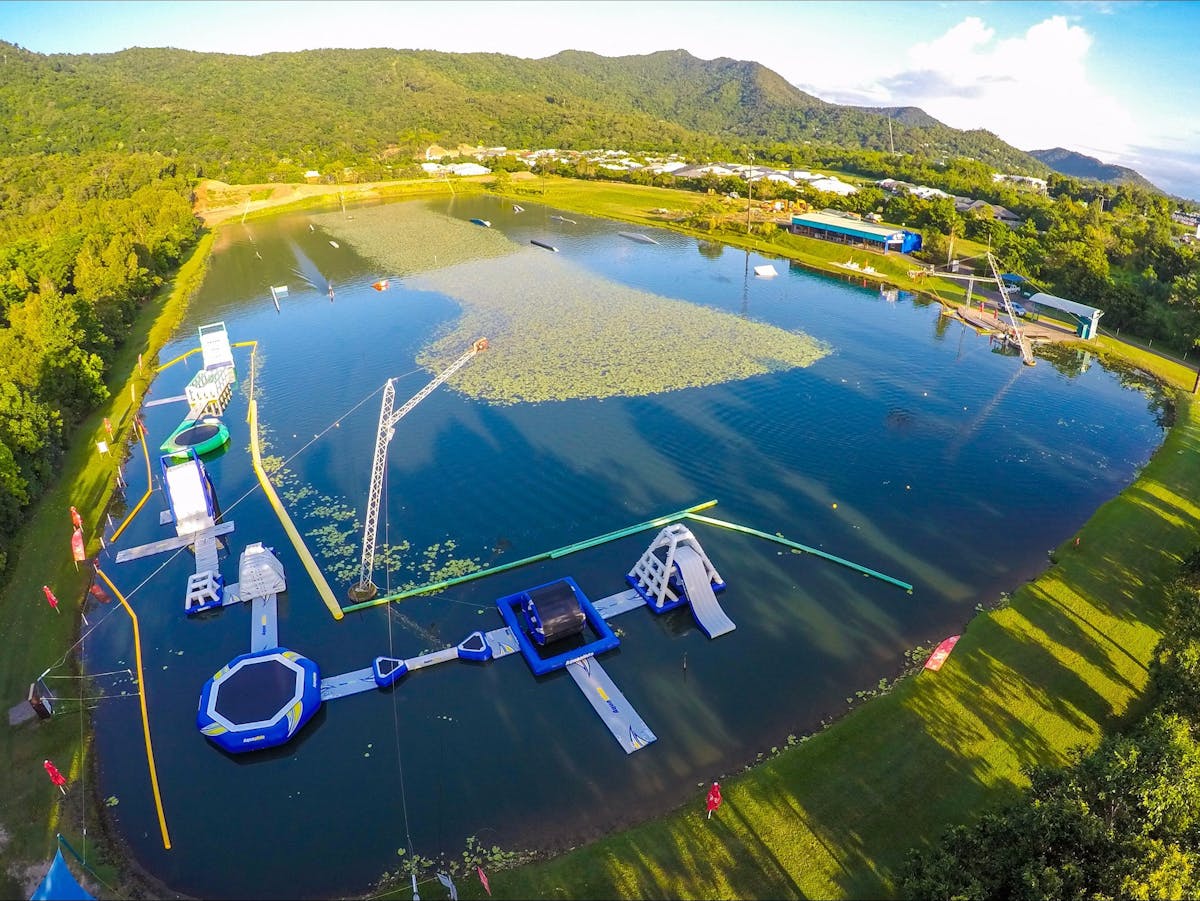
point(548, 555)
point(800, 547)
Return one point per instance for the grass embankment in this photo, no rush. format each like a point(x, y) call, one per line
point(35, 637)
point(1065, 661)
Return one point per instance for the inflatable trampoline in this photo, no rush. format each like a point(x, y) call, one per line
point(259, 700)
point(203, 435)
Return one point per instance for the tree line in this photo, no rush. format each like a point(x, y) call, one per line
point(84, 240)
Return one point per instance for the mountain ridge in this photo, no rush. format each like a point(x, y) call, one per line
point(1080, 165)
point(234, 113)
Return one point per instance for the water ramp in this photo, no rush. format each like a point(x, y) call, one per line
point(630, 731)
point(634, 236)
point(713, 621)
point(172, 544)
point(264, 628)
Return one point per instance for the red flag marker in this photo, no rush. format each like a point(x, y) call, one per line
point(50, 598)
point(76, 519)
point(482, 878)
point(714, 799)
point(77, 546)
point(381, 285)
point(55, 776)
point(108, 428)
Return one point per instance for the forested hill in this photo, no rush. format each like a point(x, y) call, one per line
point(1079, 165)
point(237, 117)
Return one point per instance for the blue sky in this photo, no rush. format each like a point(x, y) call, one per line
point(1115, 80)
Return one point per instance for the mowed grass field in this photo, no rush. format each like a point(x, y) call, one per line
point(833, 817)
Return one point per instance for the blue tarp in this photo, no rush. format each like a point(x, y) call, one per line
point(60, 884)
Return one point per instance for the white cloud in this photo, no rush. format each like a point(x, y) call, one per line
point(1033, 89)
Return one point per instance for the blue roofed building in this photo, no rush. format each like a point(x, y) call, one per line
point(840, 229)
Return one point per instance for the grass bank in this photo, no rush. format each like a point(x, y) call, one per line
point(35, 637)
point(1063, 662)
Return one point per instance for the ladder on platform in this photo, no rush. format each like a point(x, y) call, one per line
point(1018, 337)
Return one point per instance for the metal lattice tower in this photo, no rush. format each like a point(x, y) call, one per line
point(365, 589)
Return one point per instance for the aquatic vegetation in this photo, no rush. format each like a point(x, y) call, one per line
point(407, 238)
point(333, 531)
point(558, 332)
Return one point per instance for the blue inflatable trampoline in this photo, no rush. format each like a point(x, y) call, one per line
point(259, 700)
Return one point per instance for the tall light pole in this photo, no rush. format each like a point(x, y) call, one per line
point(749, 191)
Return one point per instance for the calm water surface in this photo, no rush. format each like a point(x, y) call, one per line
point(952, 467)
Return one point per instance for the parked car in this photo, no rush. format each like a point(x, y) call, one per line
point(1017, 307)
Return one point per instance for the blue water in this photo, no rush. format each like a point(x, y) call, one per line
point(951, 465)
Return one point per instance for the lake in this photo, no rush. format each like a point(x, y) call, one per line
point(905, 443)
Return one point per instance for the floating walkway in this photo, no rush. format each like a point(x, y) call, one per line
point(629, 729)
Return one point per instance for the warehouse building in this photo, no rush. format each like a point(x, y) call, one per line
point(830, 226)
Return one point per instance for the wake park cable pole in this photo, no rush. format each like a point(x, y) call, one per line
point(657, 522)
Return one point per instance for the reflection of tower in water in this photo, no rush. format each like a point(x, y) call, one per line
point(746, 288)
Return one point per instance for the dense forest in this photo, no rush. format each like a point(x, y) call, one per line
point(83, 241)
point(1120, 822)
point(272, 117)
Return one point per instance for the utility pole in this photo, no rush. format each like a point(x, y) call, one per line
point(749, 191)
point(891, 144)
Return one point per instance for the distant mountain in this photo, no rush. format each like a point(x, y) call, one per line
point(906, 115)
point(1079, 165)
point(235, 114)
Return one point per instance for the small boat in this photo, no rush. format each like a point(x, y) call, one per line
point(940, 653)
point(564, 219)
point(634, 236)
point(517, 208)
point(482, 222)
point(543, 244)
point(334, 244)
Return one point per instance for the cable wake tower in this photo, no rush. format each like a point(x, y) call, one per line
point(365, 589)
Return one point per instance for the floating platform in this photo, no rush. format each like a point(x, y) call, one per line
point(259, 700)
point(629, 729)
point(203, 435)
point(174, 544)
